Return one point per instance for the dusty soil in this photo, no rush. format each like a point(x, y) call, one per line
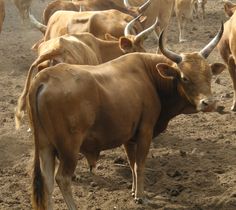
point(191, 166)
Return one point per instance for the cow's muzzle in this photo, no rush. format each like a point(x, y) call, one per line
point(207, 105)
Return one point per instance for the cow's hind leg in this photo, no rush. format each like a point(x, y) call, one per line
point(67, 154)
point(47, 158)
point(232, 71)
point(130, 149)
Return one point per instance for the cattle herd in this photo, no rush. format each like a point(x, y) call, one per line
point(94, 86)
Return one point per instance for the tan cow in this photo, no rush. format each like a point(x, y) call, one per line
point(87, 109)
point(184, 12)
point(227, 46)
point(202, 4)
point(2, 13)
point(92, 5)
point(158, 8)
point(155, 8)
point(98, 23)
point(24, 7)
point(83, 49)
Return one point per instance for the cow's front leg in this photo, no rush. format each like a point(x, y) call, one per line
point(143, 144)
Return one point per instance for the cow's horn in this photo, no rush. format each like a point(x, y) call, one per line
point(144, 34)
point(205, 52)
point(130, 25)
point(169, 54)
point(144, 6)
point(126, 3)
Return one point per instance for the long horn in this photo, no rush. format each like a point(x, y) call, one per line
point(126, 3)
point(144, 34)
point(169, 54)
point(37, 24)
point(205, 52)
point(130, 25)
point(144, 6)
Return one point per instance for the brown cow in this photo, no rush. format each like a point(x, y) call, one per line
point(83, 49)
point(227, 46)
point(126, 101)
point(2, 13)
point(24, 7)
point(92, 5)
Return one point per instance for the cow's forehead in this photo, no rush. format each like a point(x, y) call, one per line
point(193, 62)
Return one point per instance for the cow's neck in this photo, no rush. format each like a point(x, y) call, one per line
point(109, 50)
point(172, 103)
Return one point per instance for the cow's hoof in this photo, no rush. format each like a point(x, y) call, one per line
point(138, 200)
point(182, 40)
point(75, 178)
point(133, 193)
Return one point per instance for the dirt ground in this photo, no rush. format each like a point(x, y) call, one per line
point(191, 166)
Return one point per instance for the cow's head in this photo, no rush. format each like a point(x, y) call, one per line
point(193, 73)
point(229, 8)
point(134, 43)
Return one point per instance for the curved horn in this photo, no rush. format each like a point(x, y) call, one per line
point(169, 54)
point(130, 25)
point(144, 34)
point(144, 6)
point(126, 3)
point(205, 52)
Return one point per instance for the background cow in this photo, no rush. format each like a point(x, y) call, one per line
point(24, 7)
point(2, 13)
point(92, 5)
point(227, 46)
point(184, 12)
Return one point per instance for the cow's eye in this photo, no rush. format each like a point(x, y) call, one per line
point(185, 80)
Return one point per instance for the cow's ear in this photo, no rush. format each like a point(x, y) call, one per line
point(109, 37)
point(229, 8)
point(217, 68)
point(166, 71)
point(125, 44)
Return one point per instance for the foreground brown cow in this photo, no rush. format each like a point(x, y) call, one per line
point(127, 101)
point(2, 13)
point(92, 5)
point(227, 46)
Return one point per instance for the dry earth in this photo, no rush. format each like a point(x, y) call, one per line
point(191, 166)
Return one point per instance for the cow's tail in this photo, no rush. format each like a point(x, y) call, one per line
point(37, 24)
point(38, 184)
point(21, 104)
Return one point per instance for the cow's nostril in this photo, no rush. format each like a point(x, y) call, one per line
point(205, 103)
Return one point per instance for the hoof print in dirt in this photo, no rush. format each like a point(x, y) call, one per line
point(138, 200)
point(175, 191)
point(120, 160)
